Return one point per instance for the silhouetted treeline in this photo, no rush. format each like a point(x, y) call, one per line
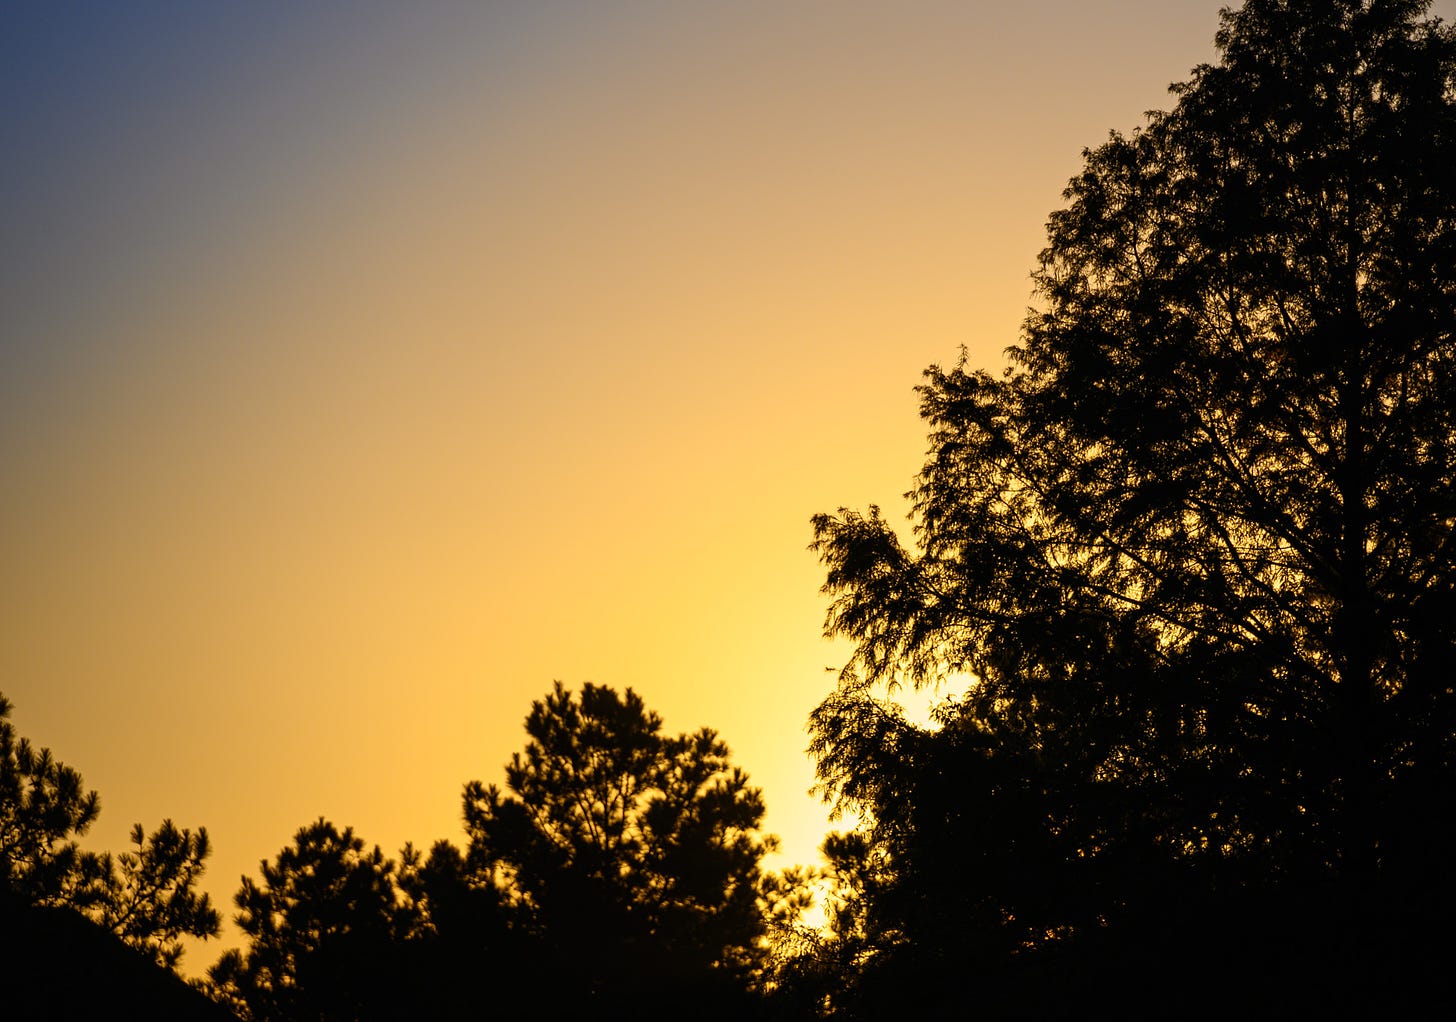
point(1188, 564)
point(1192, 555)
point(618, 874)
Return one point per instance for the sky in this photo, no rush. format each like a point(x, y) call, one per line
point(367, 367)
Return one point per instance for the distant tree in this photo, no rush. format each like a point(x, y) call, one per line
point(1194, 550)
point(324, 928)
point(634, 857)
point(147, 897)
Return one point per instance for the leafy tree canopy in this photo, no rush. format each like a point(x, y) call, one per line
point(619, 871)
point(634, 855)
point(1193, 549)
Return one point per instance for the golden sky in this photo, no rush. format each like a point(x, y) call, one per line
point(366, 367)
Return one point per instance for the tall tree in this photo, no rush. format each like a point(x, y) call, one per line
point(1194, 548)
point(634, 856)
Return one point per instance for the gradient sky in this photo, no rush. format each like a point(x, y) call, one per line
point(366, 367)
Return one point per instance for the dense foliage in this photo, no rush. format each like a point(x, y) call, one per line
point(631, 854)
point(1193, 550)
point(322, 928)
point(617, 873)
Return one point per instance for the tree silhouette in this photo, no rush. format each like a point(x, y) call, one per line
point(1193, 550)
point(148, 897)
point(633, 857)
point(44, 807)
point(324, 927)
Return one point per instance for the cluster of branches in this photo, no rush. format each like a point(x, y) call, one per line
point(1193, 551)
point(619, 872)
point(147, 895)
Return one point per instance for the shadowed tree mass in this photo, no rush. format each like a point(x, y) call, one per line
point(1193, 550)
point(323, 927)
point(631, 855)
point(618, 874)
